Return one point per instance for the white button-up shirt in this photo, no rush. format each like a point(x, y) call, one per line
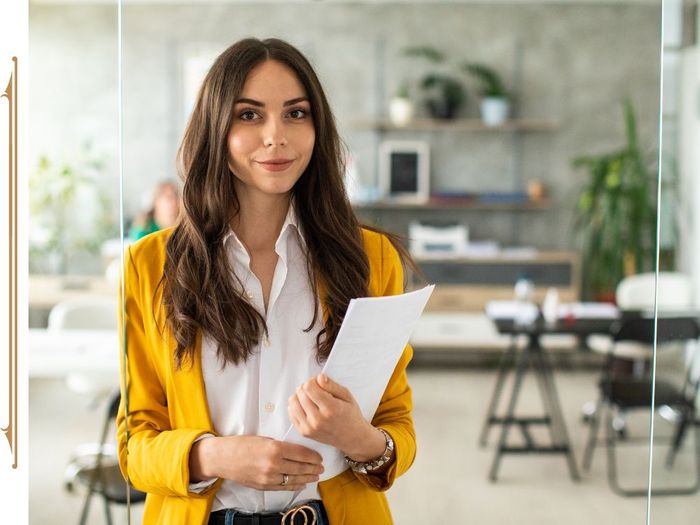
point(251, 398)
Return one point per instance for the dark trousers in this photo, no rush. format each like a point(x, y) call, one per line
point(237, 517)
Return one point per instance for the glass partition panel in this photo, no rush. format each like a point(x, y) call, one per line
point(676, 451)
point(73, 250)
point(511, 145)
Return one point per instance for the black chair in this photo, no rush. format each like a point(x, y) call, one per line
point(622, 393)
point(95, 466)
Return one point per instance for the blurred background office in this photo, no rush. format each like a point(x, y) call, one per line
point(160, 212)
point(514, 143)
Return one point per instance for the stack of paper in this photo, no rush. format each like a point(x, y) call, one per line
point(588, 311)
point(522, 311)
point(370, 342)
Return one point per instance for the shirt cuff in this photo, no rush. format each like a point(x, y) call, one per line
point(200, 486)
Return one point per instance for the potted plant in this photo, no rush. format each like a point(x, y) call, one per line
point(494, 97)
point(401, 106)
point(445, 94)
point(671, 214)
point(70, 215)
point(616, 214)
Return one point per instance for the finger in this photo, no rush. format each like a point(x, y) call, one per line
point(300, 453)
point(298, 468)
point(294, 481)
point(275, 480)
point(303, 479)
point(332, 387)
point(318, 395)
point(292, 410)
point(310, 408)
point(296, 412)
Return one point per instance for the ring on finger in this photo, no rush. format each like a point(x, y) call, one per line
point(285, 480)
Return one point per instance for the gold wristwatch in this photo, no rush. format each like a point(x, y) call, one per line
point(370, 466)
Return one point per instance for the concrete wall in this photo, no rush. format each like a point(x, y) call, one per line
point(577, 63)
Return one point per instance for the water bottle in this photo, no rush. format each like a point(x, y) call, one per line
point(550, 306)
point(524, 290)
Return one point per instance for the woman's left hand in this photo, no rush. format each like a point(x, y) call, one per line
point(327, 412)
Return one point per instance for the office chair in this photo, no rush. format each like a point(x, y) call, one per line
point(684, 416)
point(95, 465)
point(95, 313)
point(623, 393)
point(636, 293)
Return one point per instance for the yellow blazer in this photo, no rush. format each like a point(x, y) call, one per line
point(168, 407)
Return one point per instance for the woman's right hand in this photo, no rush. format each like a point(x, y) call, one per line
point(254, 461)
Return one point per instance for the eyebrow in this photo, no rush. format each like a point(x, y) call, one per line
point(262, 105)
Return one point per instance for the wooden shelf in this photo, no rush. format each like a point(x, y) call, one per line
point(468, 283)
point(456, 204)
point(457, 125)
point(503, 257)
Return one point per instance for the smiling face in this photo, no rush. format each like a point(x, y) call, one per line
point(272, 135)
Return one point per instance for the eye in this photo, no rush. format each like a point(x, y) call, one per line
point(302, 113)
point(242, 116)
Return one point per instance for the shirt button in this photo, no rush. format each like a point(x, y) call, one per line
point(269, 407)
point(250, 295)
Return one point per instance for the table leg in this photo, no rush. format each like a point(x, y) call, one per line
point(521, 361)
point(540, 376)
point(593, 432)
point(557, 414)
point(497, 390)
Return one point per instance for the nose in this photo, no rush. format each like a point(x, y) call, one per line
point(274, 133)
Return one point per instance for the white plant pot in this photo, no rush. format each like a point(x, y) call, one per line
point(494, 111)
point(400, 111)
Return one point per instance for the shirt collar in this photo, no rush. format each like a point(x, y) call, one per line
point(290, 220)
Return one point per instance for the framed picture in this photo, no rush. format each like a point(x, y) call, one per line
point(404, 170)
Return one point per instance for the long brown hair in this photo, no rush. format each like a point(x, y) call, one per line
point(198, 292)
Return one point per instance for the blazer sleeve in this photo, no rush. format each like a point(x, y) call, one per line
point(152, 456)
point(394, 413)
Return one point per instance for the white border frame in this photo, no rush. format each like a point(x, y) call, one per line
point(14, 500)
point(386, 149)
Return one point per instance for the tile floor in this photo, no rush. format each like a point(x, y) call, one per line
point(448, 482)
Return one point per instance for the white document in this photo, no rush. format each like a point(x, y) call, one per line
point(525, 312)
point(370, 342)
point(589, 310)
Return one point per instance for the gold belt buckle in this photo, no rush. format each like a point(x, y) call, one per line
point(301, 509)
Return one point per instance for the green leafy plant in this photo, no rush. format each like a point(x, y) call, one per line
point(671, 213)
point(491, 83)
point(403, 91)
point(430, 53)
point(54, 191)
point(616, 213)
point(445, 94)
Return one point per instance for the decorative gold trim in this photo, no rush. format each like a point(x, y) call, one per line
point(10, 94)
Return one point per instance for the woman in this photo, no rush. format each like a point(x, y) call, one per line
point(163, 213)
point(231, 314)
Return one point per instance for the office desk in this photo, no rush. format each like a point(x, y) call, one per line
point(45, 291)
point(533, 354)
point(58, 353)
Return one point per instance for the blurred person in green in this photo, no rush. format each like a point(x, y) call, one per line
point(162, 214)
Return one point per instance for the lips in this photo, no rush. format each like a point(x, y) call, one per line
point(278, 160)
point(276, 164)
